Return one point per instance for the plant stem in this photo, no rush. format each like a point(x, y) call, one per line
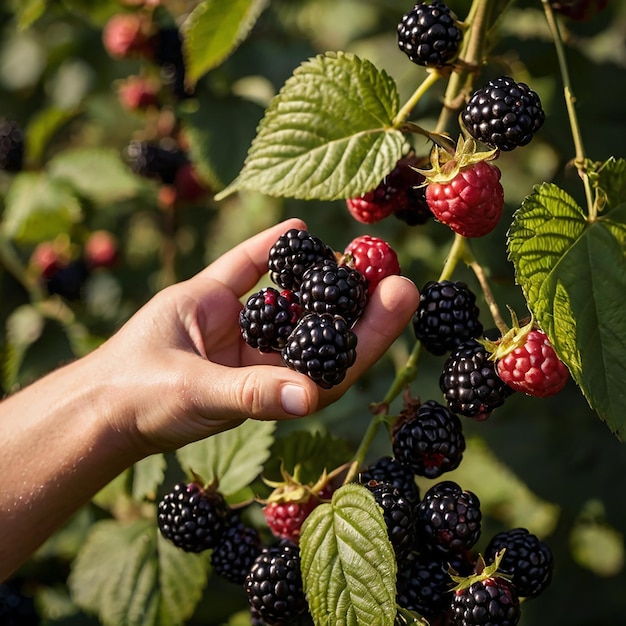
point(432, 77)
point(489, 298)
point(570, 101)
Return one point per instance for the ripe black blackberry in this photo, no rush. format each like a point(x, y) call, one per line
point(386, 469)
point(68, 280)
point(446, 316)
point(236, 551)
point(292, 254)
point(155, 161)
point(429, 35)
point(503, 114)
point(192, 518)
point(321, 346)
point(168, 54)
point(470, 384)
point(423, 585)
point(336, 289)
point(429, 440)
point(527, 560)
point(489, 602)
point(448, 519)
point(268, 318)
point(274, 584)
point(11, 146)
point(17, 608)
point(398, 515)
point(415, 211)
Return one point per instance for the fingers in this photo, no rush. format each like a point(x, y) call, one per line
point(241, 267)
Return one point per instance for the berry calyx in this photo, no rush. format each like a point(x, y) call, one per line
point(373, 257)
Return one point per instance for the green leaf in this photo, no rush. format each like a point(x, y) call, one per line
point(612, 180)
point(38, 209)
point(41, 128)
point(234, 458)
point(147, 476)
point(213, 30)
point(348, 564)
point(95, 173)
point(327, 134)
point(129, 576)
point(28, 12)
point(573, 275)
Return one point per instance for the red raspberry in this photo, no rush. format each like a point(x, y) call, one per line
point(137, 93)
point(471, 203)
point(533, 367)
point(374, 258)
point(126, 35)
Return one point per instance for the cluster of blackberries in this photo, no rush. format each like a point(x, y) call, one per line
point(196, 518)
point(309, 320)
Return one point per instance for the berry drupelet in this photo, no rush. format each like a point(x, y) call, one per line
point(429, 440)
point(447, 315)
point(503, 114)
point(429, 34)
point(192, 518)
point(268, 318)
point(292, 254)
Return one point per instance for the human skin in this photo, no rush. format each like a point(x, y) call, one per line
point(176, 372)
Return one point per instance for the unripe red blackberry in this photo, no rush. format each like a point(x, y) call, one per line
point(126, 35)
point(448, 519)
point(192, 518)
point(137, 93)
point(101, 249)
point(503, 114)
point(292, 254)
point(268, 318)
point(429, 440)
point(321, 346)
point(527, 560)
point(386, 469)
point(374, 258)
point(334, 289)
point(447, 316)
point(11, 146)
point(274, 585)
point(470, 384)
point(429, 34)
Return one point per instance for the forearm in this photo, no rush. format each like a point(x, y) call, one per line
point(58, 449)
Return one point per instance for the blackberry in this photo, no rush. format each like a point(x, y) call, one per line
point(17, 608)
point(11, 146)
point(68, 280)
point(321, 346)
point(237, 549)
point(389, 470)
point(446, 316)
point(527, 560)
point(448, 519)
point(398, 515)
point(416, 211)
point(429, 35)
point(423, 585)
point(335, 289)
point(503, 114)
point(274, 584)
point(429, 440)
point(160, 162)
point(168, 54)
point(470, 384)
point(268, 318)
point(292, 254)
point(192, 518)
point(489, 602)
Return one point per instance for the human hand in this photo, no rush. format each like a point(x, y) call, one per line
point(183, 372)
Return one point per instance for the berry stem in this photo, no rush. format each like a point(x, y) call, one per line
point(489, 297)
point(459, 250)
point(431, 78)
point(570, 103)
point(359, 456)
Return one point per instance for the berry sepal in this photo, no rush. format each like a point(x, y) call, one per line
point(514, 338)
point(481, 572)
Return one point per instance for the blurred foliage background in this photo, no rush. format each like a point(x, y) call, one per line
point(549, 465)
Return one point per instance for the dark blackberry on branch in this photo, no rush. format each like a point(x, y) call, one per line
point(17, 608)
point(503, 114)
point(334, 289)
point(470, 384)
point(321, 346)
point(168, 54)
point(11, 146)
point(68, 281)
point(292, 254)
point(268, 318)
point(429, 35)
point(489, 602)
point(429, 440)
point(155, 161)
point(274, 585)
point(446, 316)
point(192, 518)
point(389, 470)
point(448, 519)
point(527, 560)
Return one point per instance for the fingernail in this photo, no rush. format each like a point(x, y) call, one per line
point(294, 400)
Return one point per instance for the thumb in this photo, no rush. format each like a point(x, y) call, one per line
point(259, 392)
